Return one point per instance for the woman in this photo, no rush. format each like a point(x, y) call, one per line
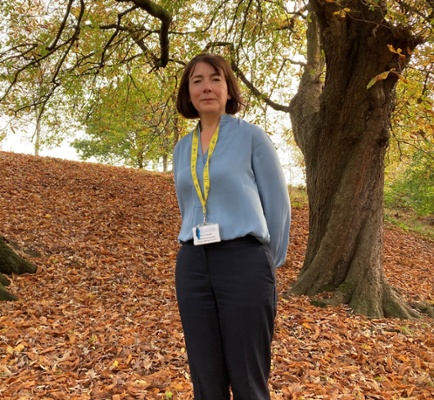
point(235, 229)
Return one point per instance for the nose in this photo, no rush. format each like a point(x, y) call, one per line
point(206, 86)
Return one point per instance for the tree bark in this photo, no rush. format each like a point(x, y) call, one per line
point(341, 127)
point(11, 263)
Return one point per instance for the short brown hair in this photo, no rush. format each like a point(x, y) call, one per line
point(220, 65)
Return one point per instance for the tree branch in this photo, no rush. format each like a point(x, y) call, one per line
point(260, 95)
point(52, 46)
point(71, 41)
point(166, 19)
point(117, 28)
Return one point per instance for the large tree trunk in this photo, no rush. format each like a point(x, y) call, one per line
point(342, 128)
point(11, 263)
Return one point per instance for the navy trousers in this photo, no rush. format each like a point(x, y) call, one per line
point(227, 301)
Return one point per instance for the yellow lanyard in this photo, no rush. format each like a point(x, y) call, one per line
point(206, 181)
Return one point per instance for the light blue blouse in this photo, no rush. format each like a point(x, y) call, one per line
point(248, 193)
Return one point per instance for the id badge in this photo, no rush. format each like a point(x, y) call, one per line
point(206, 233)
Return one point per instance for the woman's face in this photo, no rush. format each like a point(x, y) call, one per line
point(208, 90)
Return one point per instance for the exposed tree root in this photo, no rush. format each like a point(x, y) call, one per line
point(388, 305)
point(5, 295)
point(11, 263)
point(424, 307)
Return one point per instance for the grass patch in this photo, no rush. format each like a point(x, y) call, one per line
point(409, 221)
point(298, 196)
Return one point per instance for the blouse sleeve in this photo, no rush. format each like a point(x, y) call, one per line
point(273, 192)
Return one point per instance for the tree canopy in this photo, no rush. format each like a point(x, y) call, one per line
point(60, 60)
point(79, 50)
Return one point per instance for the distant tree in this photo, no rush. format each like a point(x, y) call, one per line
point(127, 122)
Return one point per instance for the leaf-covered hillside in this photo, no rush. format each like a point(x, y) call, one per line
point(99, 320)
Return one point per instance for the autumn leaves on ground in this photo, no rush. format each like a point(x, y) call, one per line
point(99, 319)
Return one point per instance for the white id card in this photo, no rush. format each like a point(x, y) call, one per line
point(207, 233)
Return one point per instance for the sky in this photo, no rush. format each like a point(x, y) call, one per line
point(17, 143)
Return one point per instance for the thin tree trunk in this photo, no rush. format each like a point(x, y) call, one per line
point(37, 134)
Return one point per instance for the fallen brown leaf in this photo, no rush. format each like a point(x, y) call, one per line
point(100, 321)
